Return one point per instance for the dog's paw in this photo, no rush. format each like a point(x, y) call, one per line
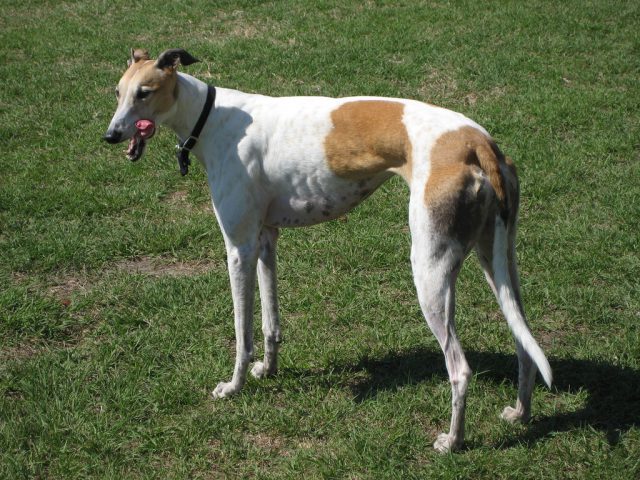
point(445, 443)
point(513, 415)
point(260, 371)
point(224, 389)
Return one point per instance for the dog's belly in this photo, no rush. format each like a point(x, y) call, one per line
point(314, 202)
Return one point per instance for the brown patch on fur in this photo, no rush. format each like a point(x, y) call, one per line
point(368, 137)
point(163, 82)
point(453, 154)
point(456, 192)
point(144, 73)
point(462, 210)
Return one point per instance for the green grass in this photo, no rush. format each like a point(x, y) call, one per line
point(115, 310)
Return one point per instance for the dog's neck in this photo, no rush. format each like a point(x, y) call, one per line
point(191, 95)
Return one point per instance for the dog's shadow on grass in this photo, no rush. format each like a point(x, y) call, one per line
point(612, 406)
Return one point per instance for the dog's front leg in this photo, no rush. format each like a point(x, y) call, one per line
point(267, 281)
point(242, 272)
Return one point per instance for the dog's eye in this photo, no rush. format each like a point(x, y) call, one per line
point(117, 92)
point(142, 94)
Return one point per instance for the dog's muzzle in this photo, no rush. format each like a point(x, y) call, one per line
point(145, 129)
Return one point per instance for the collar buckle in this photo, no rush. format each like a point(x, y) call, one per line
point(188, 144)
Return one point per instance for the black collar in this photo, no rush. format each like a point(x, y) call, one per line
point(185, 147)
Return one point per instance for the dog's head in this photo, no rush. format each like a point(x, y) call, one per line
point(146, 93)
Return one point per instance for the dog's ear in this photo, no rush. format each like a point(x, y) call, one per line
point(137, 54)
point(170, 59)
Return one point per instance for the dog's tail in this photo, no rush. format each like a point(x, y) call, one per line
point(507, 286)
point(503, 259)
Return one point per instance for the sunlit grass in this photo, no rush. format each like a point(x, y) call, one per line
point(115, 310)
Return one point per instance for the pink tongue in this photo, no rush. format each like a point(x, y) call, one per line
point(146, 128)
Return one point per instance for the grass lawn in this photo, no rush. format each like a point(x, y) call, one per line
point(115, 308)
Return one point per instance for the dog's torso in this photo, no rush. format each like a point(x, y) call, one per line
point(298, 161)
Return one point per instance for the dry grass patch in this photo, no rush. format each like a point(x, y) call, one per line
point(161, 267)
point(19, 352)
point(65, 286)
point(436, 86)
point(266, 441)
point(180, 199)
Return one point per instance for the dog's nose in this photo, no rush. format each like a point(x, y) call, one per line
point(112, 136)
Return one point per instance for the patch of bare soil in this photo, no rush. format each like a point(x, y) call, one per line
point(160, 267)
point(64, 286)
point(265, 441)
point(177, 198)
point(180, 199)
point(18, 352)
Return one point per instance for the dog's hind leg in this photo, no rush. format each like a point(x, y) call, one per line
point(435, 268)
point(267, 282)
point(436, 258)
point(445, 223)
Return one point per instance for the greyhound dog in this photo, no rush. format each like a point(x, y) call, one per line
point(297, 161)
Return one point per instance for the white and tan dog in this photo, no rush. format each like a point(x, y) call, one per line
point(298, 161)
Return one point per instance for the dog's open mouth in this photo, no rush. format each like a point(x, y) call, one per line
point(144, 131)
